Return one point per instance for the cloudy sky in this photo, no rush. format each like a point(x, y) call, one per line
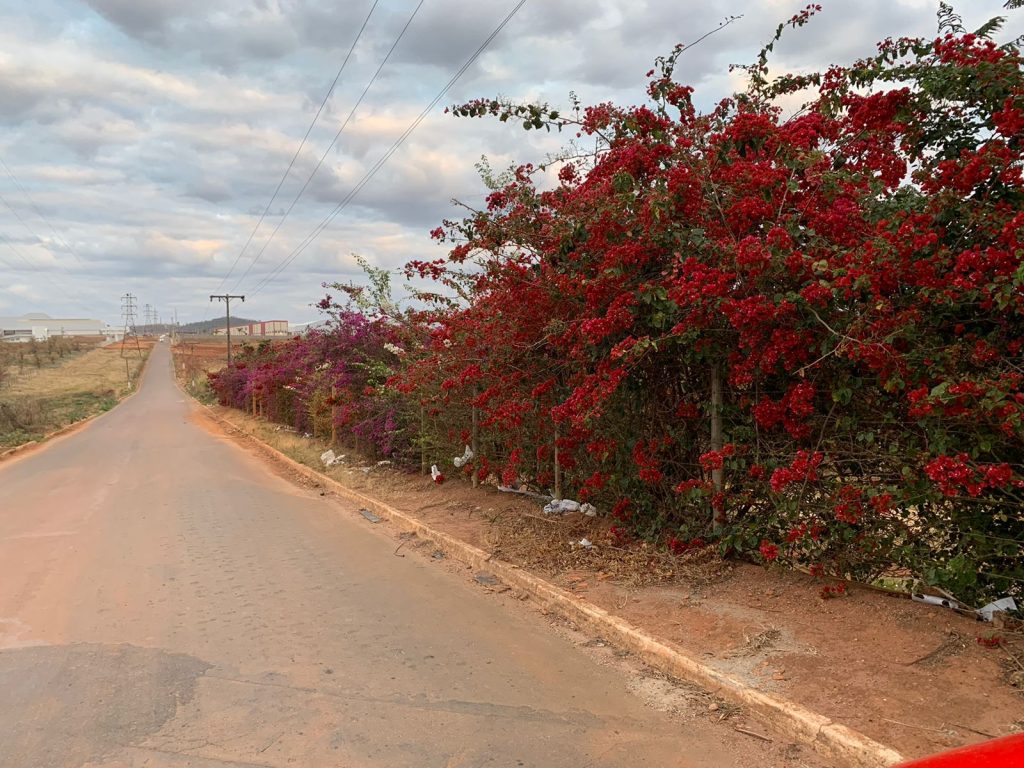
point(141, 139)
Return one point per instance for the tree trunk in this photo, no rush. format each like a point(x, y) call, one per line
point(334, 417)
point(423, 440)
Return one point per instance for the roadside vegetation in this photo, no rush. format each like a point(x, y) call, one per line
point(792, 334)
point(45, 386)
point(195, 357)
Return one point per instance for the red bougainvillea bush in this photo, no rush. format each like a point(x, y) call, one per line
point(796, 330)
point(333, 377)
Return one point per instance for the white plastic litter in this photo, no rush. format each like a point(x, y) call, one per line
point(1002, 604)
point(465, 458)
point(561, 507)
point(945, 602)
point(589, 510)
point(329, 459)
point(434, 472)
point(586, 543)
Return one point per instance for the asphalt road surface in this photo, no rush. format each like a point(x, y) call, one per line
point(167, 600)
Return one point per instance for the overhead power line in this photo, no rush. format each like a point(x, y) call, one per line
point(73, 296)
point(39, 213)
point(302, 144)
point(334, 141)
point(17, 215)
point(29, 264)
point(267, 279)
point(8, 264)
point(37, 268)
point(16, 252)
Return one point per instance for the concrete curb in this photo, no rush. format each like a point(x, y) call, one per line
point(74, 426)
point(833, 740)
point(30, 443)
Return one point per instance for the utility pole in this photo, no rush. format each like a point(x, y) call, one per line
point(226, 298)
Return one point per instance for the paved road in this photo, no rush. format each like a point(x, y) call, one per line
point(166, 600)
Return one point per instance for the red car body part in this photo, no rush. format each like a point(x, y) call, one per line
point(1007, 752)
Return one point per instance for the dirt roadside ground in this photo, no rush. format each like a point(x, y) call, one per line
point(169, 600)
point(911, 676)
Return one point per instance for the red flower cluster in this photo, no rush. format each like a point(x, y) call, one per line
point(713, 460)
point(804, 468)
point(769, 551)
point(954, 474)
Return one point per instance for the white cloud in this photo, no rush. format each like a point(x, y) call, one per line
point(151, 133)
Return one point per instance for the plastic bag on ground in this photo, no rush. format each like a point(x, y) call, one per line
point(465, 458)
point(1002, 604)
point(329, 459)
point(561, 507)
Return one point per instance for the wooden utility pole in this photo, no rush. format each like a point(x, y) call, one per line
point(423, 439)
point(475, 437)
point(226, 298)
point(334, 416)
point(558, 468)
point(717, 475)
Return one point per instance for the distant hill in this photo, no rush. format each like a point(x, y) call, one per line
point(208, 326)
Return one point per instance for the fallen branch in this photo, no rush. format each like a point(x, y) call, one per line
point(524, 492)
point(973, 730)
point(752, 733)
point(1015, 659)
point(430, 506)
point(911, 725)
point(548, 520)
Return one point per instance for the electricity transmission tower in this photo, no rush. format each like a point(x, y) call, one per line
point(128, 313)
point(226, 298)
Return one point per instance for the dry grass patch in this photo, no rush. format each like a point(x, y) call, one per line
point(553, 544)
point(36, 401)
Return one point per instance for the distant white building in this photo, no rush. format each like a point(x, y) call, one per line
point(262, 328)
point(40, 326)
point(300, 329)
